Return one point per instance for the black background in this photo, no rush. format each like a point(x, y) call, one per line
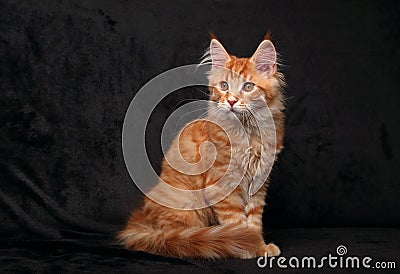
point(69, 70)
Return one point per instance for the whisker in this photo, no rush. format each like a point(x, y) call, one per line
point(288, 98)
point(205, 93)
point(185, 100)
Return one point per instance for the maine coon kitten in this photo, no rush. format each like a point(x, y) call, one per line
point(233, 226)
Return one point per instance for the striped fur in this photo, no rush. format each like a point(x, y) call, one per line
point(231, 227)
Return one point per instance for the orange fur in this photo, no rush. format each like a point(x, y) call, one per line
point(231, 227)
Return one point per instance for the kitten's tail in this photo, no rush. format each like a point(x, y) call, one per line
point(213, 242)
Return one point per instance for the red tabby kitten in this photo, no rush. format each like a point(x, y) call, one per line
point(240, 90)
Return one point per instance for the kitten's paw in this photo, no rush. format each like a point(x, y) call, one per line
point(269, 250)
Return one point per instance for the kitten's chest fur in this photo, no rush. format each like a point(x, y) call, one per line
point(248, 156)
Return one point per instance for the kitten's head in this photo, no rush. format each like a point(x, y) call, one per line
point(244, 86)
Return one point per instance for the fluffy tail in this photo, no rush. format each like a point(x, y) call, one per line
point(213, 242)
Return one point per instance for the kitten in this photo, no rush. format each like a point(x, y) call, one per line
point(240, 89)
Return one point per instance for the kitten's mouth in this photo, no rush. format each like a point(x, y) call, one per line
point(238, 110)
point(235, 111)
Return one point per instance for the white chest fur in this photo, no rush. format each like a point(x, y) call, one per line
point(255, 157)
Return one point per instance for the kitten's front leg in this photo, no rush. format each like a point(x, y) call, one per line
point(230, 210)
point(254, 210)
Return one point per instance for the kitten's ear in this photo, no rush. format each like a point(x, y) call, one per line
point(218, 54)
point(264, 58)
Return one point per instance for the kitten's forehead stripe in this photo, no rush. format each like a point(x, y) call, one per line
point(240, 66)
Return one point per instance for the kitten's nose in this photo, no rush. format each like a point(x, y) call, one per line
point(231, 102)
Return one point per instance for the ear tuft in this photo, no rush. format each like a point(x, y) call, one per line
point(268, 35)
point(212, 35)
point(218, 54)
point(264, 58)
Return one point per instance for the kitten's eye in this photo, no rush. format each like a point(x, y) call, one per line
point(224, 85)
point(248, 86)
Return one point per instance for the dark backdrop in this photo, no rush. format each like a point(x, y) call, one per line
point(69, 70)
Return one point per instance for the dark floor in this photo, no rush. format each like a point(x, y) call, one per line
point(101, 256)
